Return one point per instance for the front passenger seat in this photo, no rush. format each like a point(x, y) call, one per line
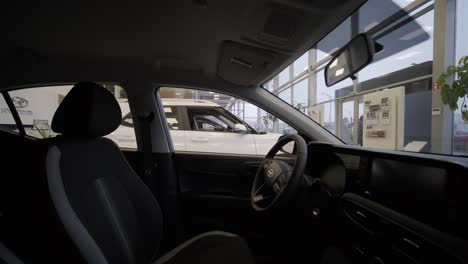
point(107, 213)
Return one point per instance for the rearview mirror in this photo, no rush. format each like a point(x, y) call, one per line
point(354, 56)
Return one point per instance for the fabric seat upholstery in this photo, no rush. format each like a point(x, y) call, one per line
point(100, 209)
point(210, 247)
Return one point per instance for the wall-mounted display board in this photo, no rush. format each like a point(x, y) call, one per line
point(383, 125)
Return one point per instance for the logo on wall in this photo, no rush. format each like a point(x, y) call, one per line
point(19, 102)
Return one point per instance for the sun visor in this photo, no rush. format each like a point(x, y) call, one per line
point(242, 64)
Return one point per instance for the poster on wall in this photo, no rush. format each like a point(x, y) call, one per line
point(383, 119)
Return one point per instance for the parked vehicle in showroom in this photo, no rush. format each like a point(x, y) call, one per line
point(201, 125)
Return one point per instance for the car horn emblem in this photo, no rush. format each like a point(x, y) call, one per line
point(270, 173)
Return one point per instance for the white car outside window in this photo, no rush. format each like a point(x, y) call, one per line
point(201, 126)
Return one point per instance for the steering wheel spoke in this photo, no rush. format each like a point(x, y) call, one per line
point(277, 187)
point(261, 194)
point(261, 197)
point(259, 190)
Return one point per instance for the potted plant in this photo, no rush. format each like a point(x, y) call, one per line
point(451, 93)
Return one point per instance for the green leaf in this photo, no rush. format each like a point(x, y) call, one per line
point(459, 91)
point(442, 78)
point(445, 96)
point(463, 60)
point(453, 99)
point(450, 93)
point(451, 69)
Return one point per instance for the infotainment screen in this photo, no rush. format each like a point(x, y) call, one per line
point(417, 191)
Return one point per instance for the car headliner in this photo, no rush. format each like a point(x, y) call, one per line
point(171, 42)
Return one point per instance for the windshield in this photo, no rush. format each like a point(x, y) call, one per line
point(394, 102)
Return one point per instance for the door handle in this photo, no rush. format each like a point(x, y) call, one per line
point(199, 139)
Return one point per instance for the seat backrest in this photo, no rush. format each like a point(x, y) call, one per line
point(100, 208)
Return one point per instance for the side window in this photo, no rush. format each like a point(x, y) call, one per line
point(36, 108)
point(218, 123)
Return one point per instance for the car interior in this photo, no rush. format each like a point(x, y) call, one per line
point(80, 198)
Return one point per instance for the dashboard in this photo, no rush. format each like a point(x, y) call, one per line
point(396, 207)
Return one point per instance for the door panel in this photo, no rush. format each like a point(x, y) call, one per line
point(200, 192)
point(215, 190)
point(215, 193)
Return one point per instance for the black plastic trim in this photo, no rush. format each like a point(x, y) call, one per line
point(14, 112)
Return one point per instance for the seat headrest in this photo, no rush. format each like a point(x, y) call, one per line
point(88, 110)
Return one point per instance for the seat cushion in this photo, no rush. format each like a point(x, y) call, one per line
point(210, 247)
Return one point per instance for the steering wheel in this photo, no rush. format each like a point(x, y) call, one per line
point(276, 182)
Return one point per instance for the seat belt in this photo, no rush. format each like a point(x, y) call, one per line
point(148, 164)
